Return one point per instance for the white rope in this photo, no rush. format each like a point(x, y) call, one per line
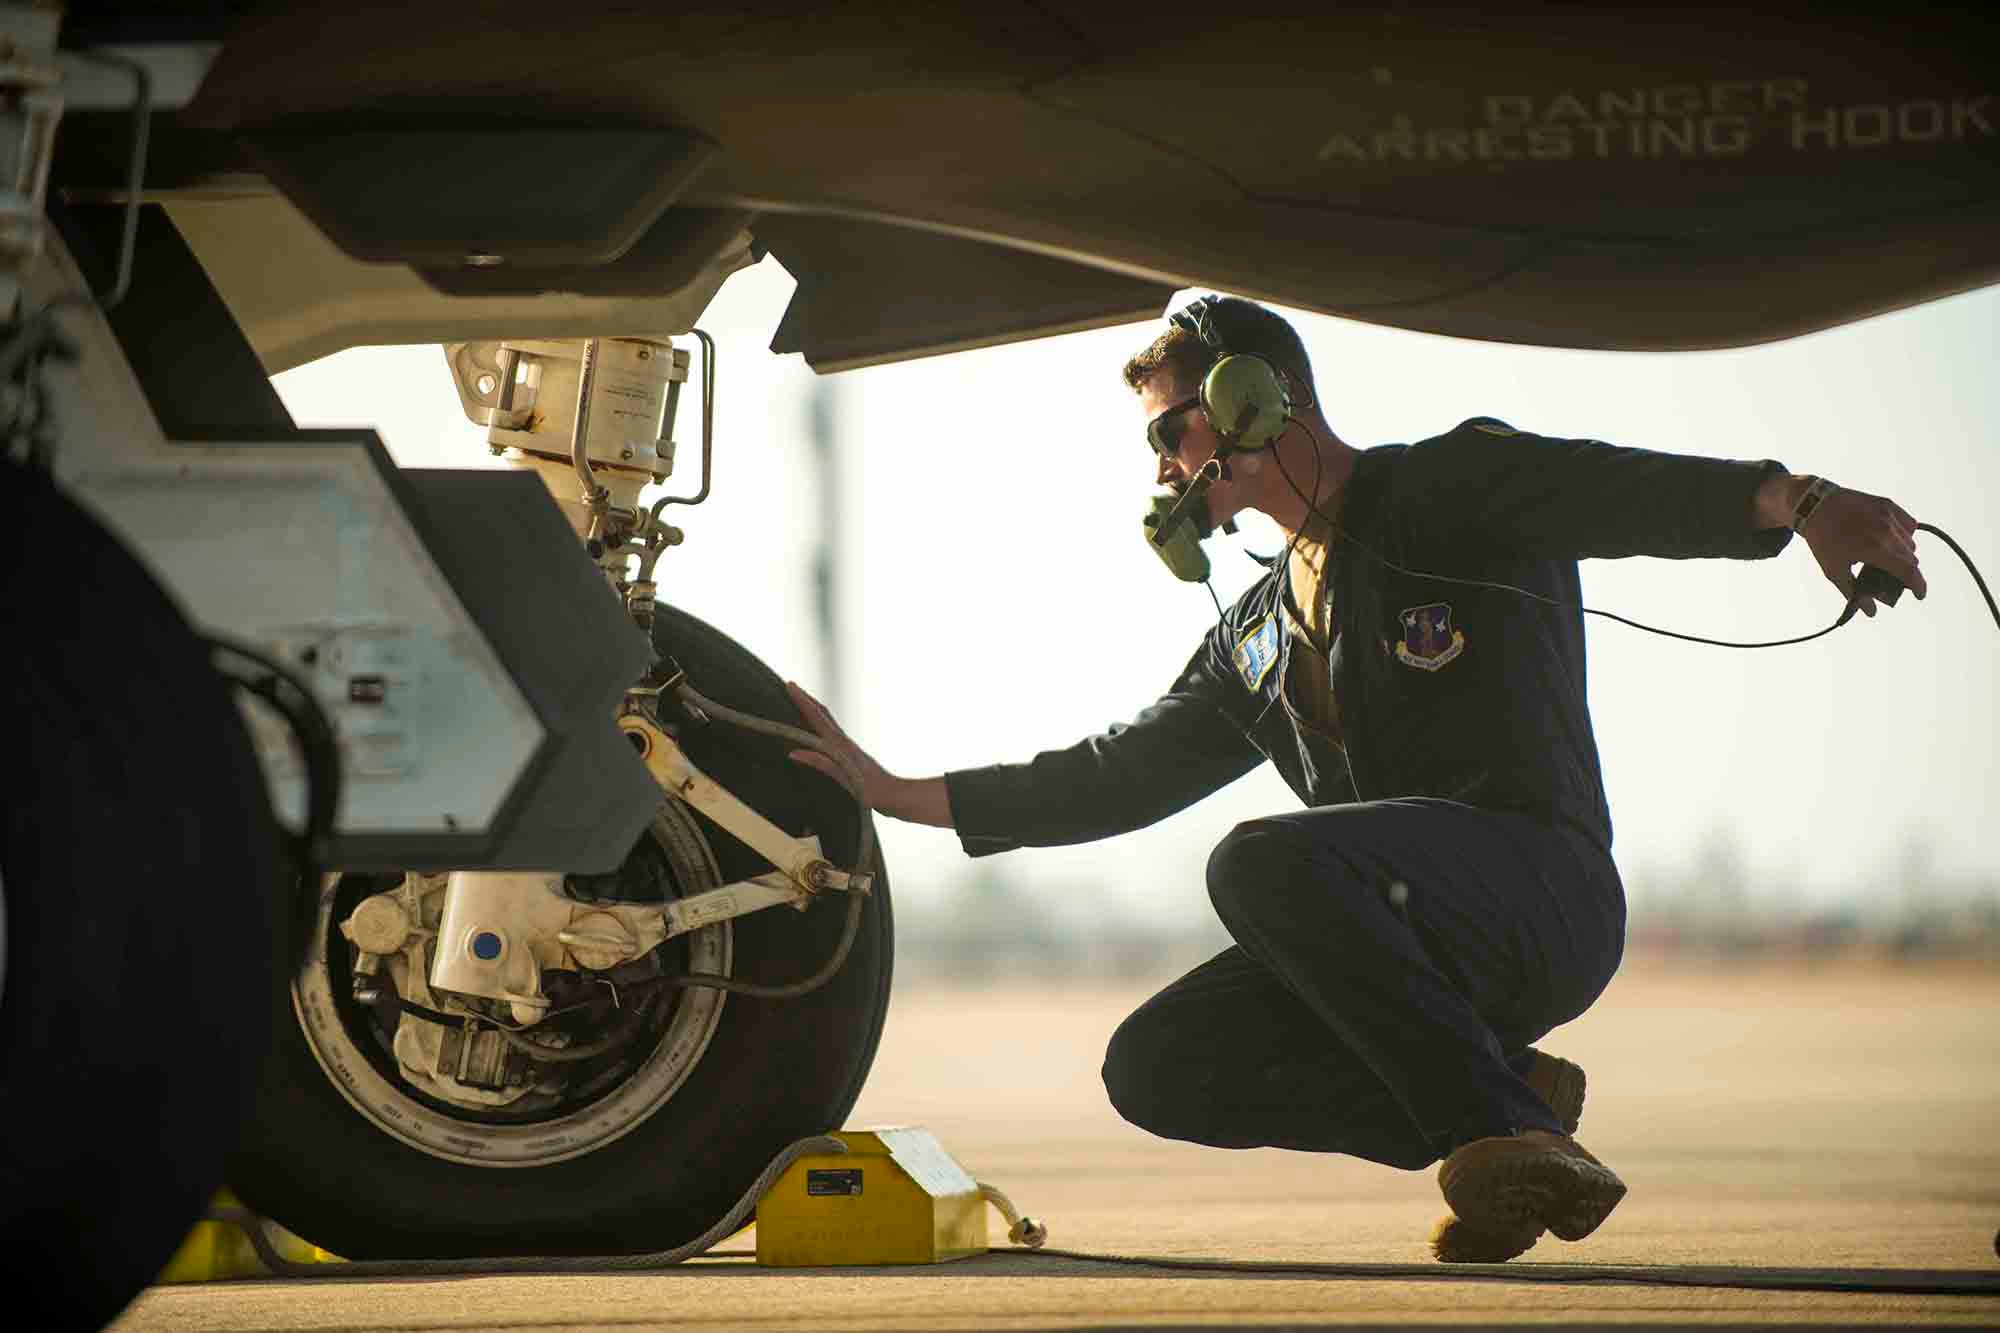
point(1020, 1230)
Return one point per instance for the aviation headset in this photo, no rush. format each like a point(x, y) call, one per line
point(1249, 403)
point(1245, 397)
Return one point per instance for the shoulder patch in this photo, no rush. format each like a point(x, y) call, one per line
point(1492, 427)
point(1257, 652)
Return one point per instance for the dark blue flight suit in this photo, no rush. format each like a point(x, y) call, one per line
point(1448, 895)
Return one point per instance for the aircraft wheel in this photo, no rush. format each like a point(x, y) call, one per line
point(639, 1150)
point(141, 870)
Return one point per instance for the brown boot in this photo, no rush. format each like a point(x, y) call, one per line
point(1559, 1083)
point(1455, 1241)
point(1505, 1185)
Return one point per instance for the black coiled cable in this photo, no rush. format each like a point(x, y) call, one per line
point(263, 678)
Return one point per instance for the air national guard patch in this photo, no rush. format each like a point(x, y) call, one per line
point(1429, 641)
point(1257, 652)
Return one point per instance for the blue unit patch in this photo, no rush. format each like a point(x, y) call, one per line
point(1429, 639)
point(1257, 652)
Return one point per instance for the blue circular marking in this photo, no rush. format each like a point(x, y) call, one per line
point(486, 946)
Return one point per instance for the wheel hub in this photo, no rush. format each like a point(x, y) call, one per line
point(461, 1074)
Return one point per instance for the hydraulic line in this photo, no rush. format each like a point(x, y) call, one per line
point(588, 1050)
point(864, 858)
point(135, 170)
point(707, 433)
point(295, 702)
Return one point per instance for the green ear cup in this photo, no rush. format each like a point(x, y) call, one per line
point(1246, 401)
point(1181, 551)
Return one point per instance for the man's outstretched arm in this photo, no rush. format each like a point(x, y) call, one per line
point(1493, 488)
point(1179, 749)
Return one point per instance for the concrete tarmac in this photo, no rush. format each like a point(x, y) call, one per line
point(1839, 1120)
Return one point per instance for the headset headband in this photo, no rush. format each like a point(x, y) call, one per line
point(1198, 318)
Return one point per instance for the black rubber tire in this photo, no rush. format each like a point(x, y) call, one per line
point(775, 1070)
point(141, 868)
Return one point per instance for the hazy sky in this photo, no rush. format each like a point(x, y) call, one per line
point(998, 599)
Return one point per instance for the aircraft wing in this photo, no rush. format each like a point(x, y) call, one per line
point(944, 176)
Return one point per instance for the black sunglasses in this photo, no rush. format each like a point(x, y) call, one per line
point(1163, 432)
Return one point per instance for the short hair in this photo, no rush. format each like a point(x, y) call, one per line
point(1240, 326)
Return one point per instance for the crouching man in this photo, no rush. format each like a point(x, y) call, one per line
point(1447, 895)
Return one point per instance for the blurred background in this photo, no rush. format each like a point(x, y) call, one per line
point(948, 552)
